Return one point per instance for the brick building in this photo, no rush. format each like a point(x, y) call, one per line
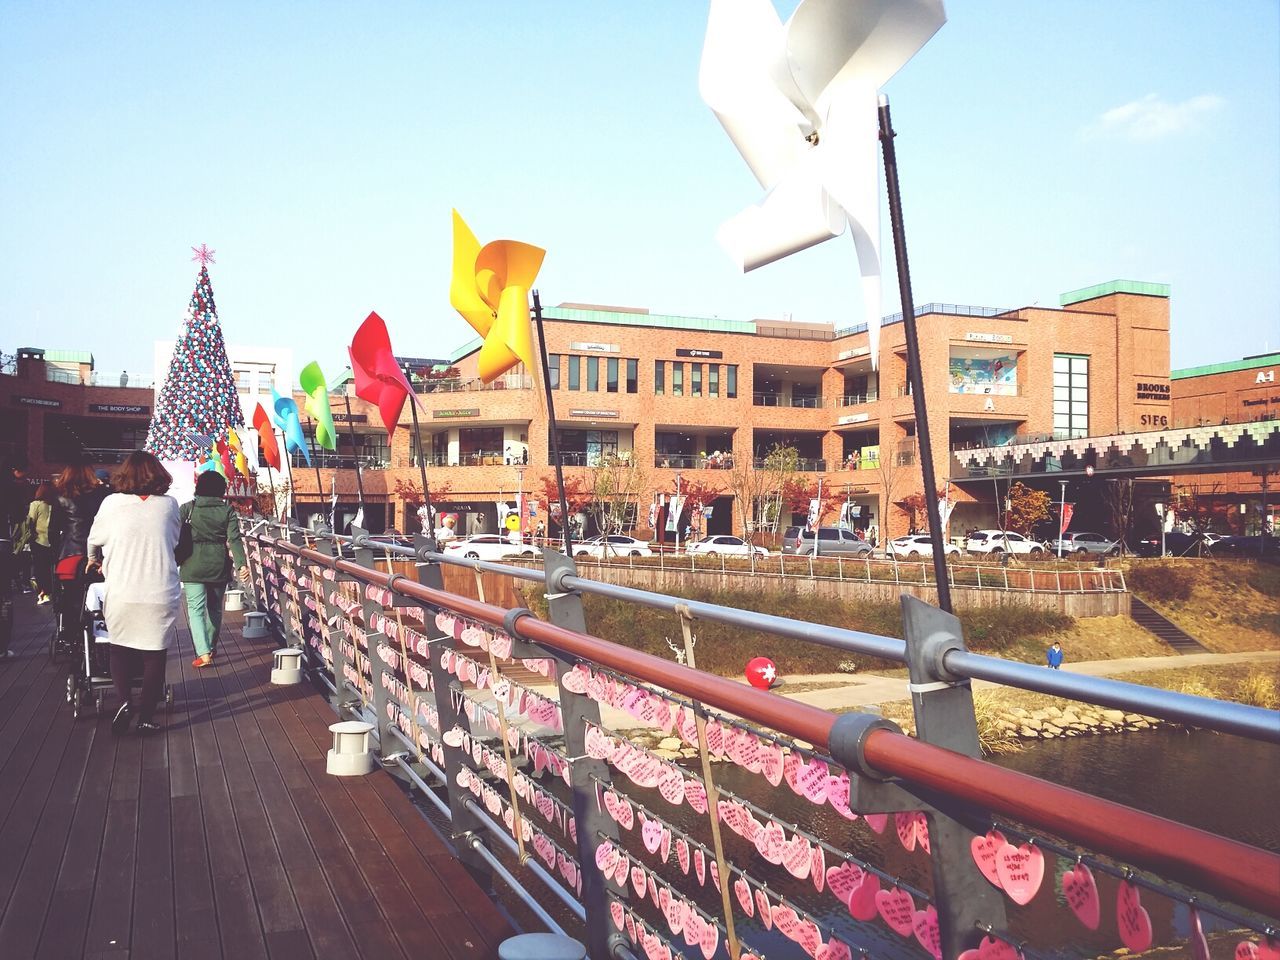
point(697, 396)
point(1239, 391)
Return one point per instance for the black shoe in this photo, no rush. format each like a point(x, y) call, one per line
point(120, 722)
point(147, 726)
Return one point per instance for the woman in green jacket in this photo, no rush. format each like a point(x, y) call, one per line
point(204, 574)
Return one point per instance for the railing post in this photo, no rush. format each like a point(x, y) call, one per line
point(364, 557)
point(463, 823)
point(577, 711)
point(944, 717)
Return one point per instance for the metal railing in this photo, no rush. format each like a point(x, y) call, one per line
point(96, 378)
point(765, 399)
point(855, 399)
point(803, 464)
point(1063, 577)
point(333, 461)
point(511, 725)
point(510, 381)
point(693, 461)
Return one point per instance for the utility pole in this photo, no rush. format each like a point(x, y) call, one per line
point(1062, 513)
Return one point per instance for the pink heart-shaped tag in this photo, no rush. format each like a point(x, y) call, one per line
point(743, 892)
point(682, 855)
point(1081, 893)
point(925, 927)
point(984, 851)
point(862, 900)
point(606, 858)
point(876, 821)
point(818, 867)
point(695, 795)
point(835, 950)
point(838, 795)
point(992, 948)
point(715, 738)
point(651, 834)
point(709, 940)
point(620, 871)
point(674, 909)
point(1246, 950)
point(771, 762)
point(809, 937)
point(700, 866)
point(770, 842)
point(785, 920)
point(842, 878)
point(616, 912)
point(638, 881)
point(766, 912)
point(1132, 919)
point(671, 785)
point(797, 857)
point(811, 780)
point(664, 848)
point(1021, 871)
point(897, 909)
point(575, 680)
point(905, 823)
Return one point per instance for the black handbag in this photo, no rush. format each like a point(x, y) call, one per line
point(186, 542)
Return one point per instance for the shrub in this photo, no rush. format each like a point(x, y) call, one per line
point(1161, 582)
point(1258, 689)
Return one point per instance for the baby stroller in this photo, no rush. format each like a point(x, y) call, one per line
point(68, 612)
point(90, 676)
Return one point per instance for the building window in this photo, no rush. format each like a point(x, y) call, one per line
point(575, 373)
point(731, 381)
point(659, 376)
point(611, 375)
point(1070, 395)
point(677, 379)
point(553, 368)
point(695, 379)
point(713, 380)
point(633, 376)
point(593, 374)
point(244, 382)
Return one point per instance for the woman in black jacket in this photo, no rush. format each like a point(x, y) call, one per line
point(215, 528)
point(79, 495)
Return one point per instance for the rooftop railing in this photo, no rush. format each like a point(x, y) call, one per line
point(519, 729)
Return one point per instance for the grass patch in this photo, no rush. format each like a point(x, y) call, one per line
point(1230, 606)
point(724, 650)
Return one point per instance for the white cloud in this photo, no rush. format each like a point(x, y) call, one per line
point(1152, 118)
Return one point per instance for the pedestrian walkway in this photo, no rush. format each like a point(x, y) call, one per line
point(221, 836)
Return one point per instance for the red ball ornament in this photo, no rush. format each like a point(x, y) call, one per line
point(761, 672)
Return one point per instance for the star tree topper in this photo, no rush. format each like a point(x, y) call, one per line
point(203, 255)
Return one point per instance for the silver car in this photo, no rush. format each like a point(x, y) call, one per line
point(1083, 544)
point(831, 541)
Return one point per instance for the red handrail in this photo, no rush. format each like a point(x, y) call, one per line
point(1209, 863)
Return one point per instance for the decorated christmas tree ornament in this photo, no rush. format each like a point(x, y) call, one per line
point(199, 392)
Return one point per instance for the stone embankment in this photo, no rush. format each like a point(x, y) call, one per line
point(1018, 723)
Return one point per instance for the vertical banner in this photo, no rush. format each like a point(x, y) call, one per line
point(815, 507)
point(1068, 509)
point(674, 510)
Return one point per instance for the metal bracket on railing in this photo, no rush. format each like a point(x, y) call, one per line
point(869, 790)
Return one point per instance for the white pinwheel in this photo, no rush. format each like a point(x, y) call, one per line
point(799, 101)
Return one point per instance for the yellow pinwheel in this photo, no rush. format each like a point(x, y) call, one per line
point(238, 457)
point(490, 288)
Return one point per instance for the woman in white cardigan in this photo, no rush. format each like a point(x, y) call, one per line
point(133, 539)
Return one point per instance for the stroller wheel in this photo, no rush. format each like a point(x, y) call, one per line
point(53, 647)
point(99, 702)
point(77, 704)
point(168, 696)
point(71, 687)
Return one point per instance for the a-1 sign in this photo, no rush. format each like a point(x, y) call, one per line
point(1265, 376)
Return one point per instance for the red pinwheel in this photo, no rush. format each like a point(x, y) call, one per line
point(378, 376)
point(267, 449)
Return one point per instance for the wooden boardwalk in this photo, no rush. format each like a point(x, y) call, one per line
point(220, 837)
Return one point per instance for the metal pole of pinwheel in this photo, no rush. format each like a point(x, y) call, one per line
point(914, 375)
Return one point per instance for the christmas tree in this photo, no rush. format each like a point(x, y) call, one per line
point(199, 393)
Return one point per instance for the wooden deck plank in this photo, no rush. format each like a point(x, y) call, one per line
point(223, 836)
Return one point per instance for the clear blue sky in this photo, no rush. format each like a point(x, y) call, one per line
point(319, 148)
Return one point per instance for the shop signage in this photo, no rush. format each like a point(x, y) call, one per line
point(592, 347)
point(1154, 420)
point(131, 408)
point(1265, 376)
point(1259, 402)
point(595, 414)
point(855, 352)
point(38, 402)
point(1153, 391)
point(989, 337)
point(854, 418)
point(350, 418)
point(460, 507)
point(456, 413)
point(700, 354)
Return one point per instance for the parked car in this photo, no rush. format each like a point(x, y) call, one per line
point(830, 540)
point(1083, 544)
point(488, 546)
point(726, 545)
point(614, 545)
point(916, 546)
point(1175, 544)
point(996, 542)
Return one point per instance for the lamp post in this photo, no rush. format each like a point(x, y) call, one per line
point(1062, 512)
point(520, 506)
point(679, 510)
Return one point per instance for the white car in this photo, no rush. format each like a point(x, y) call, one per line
point(614, 545)
point(726, 545)
point(995, 542)
point(488, 546)
point(916, 546)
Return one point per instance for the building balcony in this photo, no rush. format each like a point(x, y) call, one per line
point(107, 454)
point(784, 400)
point(332, 461)
point(457, 385)
point(857, 399)
point(690, 461)
point(803, 465)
